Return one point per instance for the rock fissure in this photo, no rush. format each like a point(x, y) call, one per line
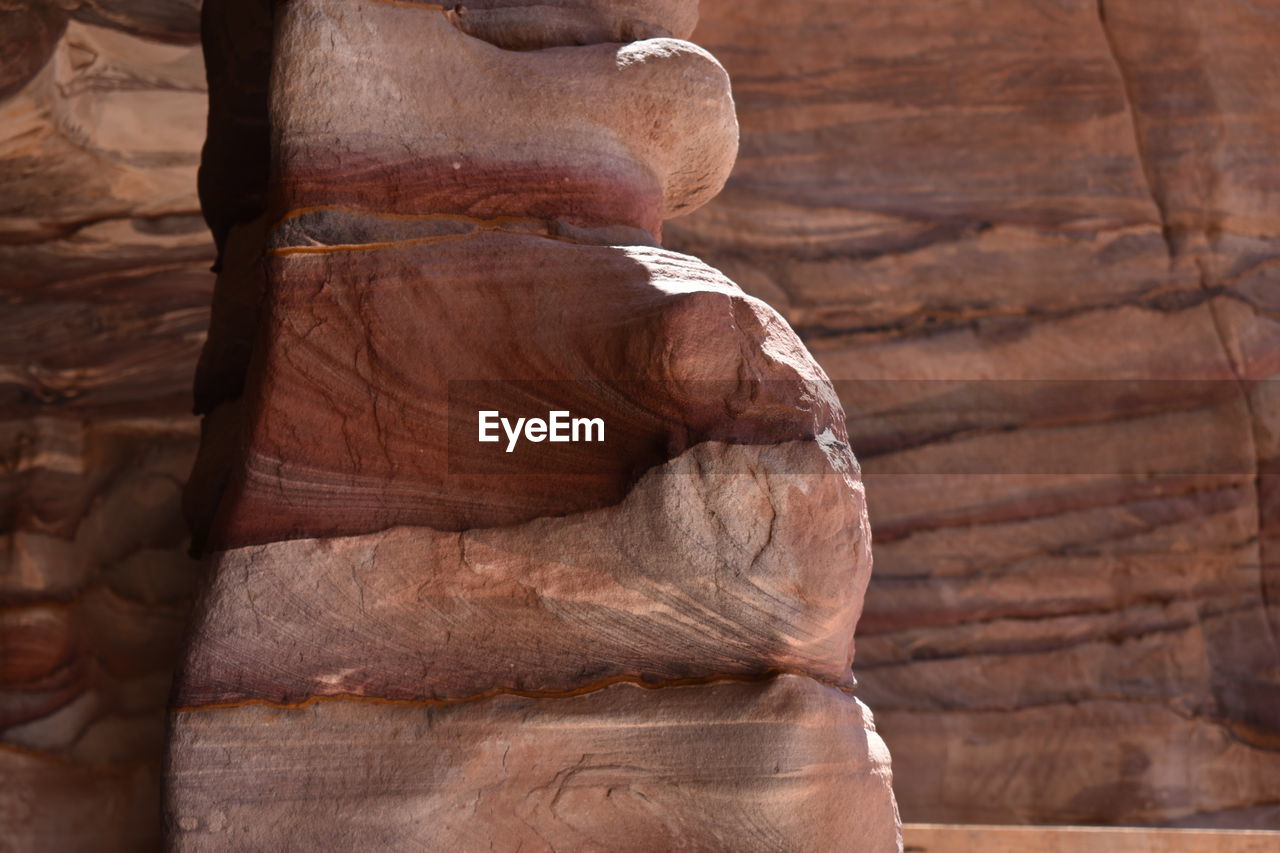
point(1271, 609)
point(1139, 146)
point(584, 690)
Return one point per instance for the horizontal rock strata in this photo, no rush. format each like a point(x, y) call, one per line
point(1033, 246)
point(356, 421)
point(595, 134)
point(680, 579)
point(719, 767)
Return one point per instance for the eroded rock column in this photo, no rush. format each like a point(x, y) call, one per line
point(413, 639)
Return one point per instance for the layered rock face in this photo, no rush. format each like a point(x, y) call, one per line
point(927, 192)
point(412, 637)
point(104, 268)
point(1034, 244)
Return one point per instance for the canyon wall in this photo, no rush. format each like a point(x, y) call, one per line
point(1034, 245)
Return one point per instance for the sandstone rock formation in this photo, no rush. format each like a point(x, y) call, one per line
point(1034, 245)
point(410, 638)
point(104, 269)
point(926, 191)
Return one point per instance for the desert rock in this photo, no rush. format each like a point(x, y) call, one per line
point(655, 626)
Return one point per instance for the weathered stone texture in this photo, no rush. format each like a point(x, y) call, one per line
point(711, 767)
point(1073, 613)
point(1050, 190)
point(408, 637)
